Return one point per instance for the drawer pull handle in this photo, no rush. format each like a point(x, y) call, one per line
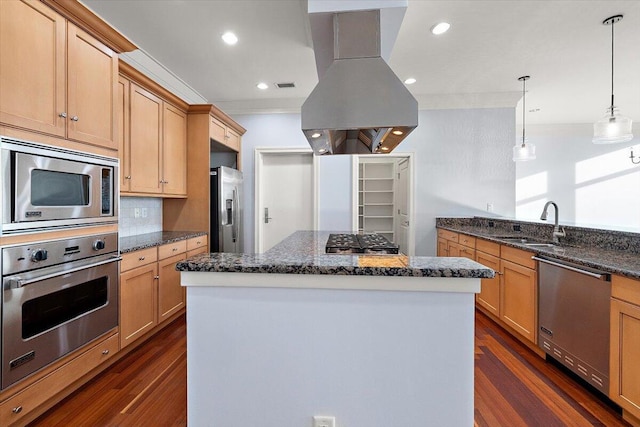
point(105, 352)
point(174, 249)
point(17, 409)
point(198, 242)
point(141, 258)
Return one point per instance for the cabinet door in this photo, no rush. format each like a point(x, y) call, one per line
point(92, 78)
point(170, 293)
point(453, 249)
point(217, 130)
point(145, 133)
point(138, 302)
point(233, 139)
point(32, 67)
point(466, 252)
point(625, 354)
point(124, 147)
point(174, 153)
point(442, 247)
point(489, 296)
point(518, 297)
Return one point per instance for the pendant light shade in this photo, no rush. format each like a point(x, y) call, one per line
point(613, 127)
point(523, 150)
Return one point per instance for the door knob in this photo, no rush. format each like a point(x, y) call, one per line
point(266, 216)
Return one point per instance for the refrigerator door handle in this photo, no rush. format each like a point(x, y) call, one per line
point(234, 224)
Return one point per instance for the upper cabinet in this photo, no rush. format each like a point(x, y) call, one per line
point(153, 142)
point(55, 78)
point(224, 134)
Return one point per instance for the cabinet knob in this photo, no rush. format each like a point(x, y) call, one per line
point(105, 352)
point(63, 115)
point(17, 409)
point(127, 177)
point(74, 118)
point(141, 258)
point(156, 277)
point(174, 249)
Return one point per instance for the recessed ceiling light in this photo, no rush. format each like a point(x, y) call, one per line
point(230, 38)
point(397, 132)
point(322, 150)
point(384, 148)
point(316, 135)
point(440, 28)
point(410, 81)
point(262, 86)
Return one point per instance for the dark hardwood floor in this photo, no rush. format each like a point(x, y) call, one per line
point(513, 387)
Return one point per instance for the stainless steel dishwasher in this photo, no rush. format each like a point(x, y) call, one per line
point(573, 314)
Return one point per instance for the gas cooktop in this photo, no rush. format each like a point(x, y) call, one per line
point(360, 244)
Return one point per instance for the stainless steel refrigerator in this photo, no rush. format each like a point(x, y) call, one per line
point(226, 210)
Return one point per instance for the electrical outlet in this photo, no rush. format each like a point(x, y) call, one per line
point(143, 212)
point(324, 421)
point(489, 207)
point(136, 212)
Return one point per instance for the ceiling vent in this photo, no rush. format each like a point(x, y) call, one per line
point(286, 85)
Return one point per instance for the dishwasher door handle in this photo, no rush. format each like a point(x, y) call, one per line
point(603, 276)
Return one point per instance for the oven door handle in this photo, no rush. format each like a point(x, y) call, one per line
point(16, 283)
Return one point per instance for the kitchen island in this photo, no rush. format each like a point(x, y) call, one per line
point(373, 340)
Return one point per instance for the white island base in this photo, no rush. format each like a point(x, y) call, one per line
point(273, 350)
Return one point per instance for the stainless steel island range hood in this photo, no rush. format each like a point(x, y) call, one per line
point(359, 106)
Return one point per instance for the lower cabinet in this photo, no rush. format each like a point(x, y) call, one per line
point(625, 347)
point(25, 405)
point(150, 290)
point(519, 298)
point(489, 296)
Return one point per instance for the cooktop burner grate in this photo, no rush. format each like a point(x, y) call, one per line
point(359, 244)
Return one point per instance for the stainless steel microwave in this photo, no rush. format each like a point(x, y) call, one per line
point(45, 187)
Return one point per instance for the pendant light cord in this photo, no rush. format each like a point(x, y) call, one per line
point(524, 82)
point(613, 23)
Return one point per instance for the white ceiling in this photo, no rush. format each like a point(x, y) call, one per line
point(561, 44)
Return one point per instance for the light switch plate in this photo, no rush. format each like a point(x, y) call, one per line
point(324, 421)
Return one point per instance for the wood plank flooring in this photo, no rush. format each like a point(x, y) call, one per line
point(513, 387)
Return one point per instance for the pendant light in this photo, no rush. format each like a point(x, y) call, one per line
point(523, 150)
point(613, 127)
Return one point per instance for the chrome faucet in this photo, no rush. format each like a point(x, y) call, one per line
point(556, 229)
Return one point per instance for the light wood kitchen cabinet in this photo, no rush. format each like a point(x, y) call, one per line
point(145, 112)
point(224, 134)
point(138, 299)
point(174, 151)
point(171, 295)
point(519, 291)
point(446, 240)
point(150, 290)
point(23, 406)
point(123, 133)
point(56, 78)
point(489, 296)
point(156, 164)
point(625, 346)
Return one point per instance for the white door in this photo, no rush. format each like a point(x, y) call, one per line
point(402, 206)
point(286, 195)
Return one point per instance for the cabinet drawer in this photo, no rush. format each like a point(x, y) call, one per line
point(467, 241)
point(448, 235)
point(517, 256)
point(196, 252)
point(171, 249)
point(138, 258)
point(488, 247)
point(625, 289)
point(19, 406)
point(196, 242)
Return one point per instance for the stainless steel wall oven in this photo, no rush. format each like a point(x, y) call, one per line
point(56, 297)
point(45, 187)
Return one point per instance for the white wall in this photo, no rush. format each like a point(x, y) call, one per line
point(462, 162)
point(593, 185)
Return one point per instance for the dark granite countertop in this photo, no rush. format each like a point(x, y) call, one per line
point(623, 262)
point(149, 240)
point(304, 253)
